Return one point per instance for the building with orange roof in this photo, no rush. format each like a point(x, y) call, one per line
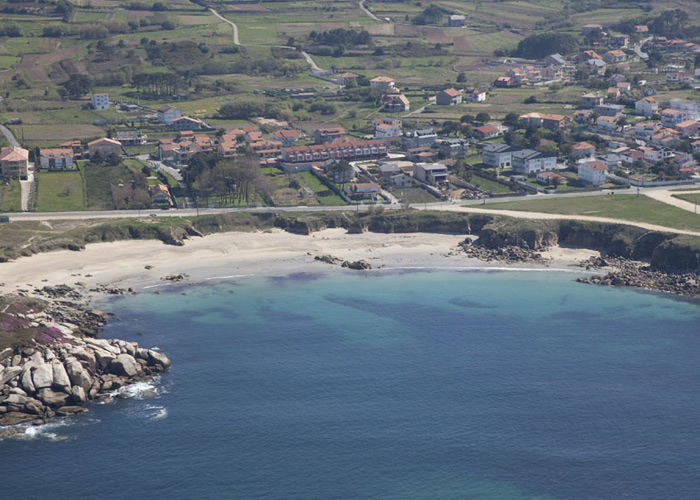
point(448, 97)
point(104, 147)
point(56, 158)
point(14, 162)
point(339, 149)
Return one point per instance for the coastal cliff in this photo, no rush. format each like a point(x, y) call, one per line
point(49, 367)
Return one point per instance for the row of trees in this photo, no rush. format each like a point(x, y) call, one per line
point(225, 182)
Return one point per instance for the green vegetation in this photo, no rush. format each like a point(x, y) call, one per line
point(619, 206)
point(538, 46)
point(60, 191)
point(413, 195)
point(10, 196)
point(691, 197)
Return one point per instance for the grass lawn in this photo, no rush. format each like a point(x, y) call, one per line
point(10, 196)
point(414, 195)
point(60, 191)
point(691, 197)
point(620, 206)
point(488, 185)
point(324, 195)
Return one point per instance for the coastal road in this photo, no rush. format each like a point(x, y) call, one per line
point(472, 206)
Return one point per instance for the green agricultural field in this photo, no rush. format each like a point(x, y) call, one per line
point(626, 207)
point(59, 191)
point(10, 196)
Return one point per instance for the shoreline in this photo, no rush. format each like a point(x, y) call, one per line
point(144, 265)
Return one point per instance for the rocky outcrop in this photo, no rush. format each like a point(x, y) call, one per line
point(358, 265)
point(55, 375)
point(625, 272)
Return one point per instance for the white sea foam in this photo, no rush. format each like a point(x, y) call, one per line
point(233, 276)
point(46, 431)
point(156, 412)
point(139, 390)
point(157, 285)
point(480, 269)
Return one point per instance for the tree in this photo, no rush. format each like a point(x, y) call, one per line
point(78, 85)
point(462, 77)
point(511, 119)
point(544, 44)
point(341, 172)
point(483, 117)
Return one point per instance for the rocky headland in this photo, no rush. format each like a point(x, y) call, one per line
point(51, 364)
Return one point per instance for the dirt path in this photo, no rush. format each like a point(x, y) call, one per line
point(237, 42)
point(667, 197)
point(540, 215)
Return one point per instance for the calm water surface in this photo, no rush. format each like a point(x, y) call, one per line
point(429, 385)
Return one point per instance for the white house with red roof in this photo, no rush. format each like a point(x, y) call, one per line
point(593, 172)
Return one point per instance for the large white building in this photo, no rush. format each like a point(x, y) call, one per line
point(100, 101)
point(529, 161)
point(593, 172)
point(497, 155)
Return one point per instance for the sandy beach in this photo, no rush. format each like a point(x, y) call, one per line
point(124, 263)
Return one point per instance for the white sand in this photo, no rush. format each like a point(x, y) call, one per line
point(123, 263)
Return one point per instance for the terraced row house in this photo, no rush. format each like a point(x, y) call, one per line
point(339, 149)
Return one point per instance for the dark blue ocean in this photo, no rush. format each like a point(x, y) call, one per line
point(420, 385)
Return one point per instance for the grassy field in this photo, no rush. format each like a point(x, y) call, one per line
point(60, 191)
point(10, 196)
point(413, 195)
point(626, 207)
point(691, 197)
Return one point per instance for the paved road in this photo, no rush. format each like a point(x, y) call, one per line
point(9, 136)
point(637, 47)
point(361, 4)
point(472, 206)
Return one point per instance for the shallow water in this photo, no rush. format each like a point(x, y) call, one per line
point(396, 385)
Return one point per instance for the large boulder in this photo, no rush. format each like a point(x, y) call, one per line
point(51, 398)
point(15, 399)
point(43, 376)
point(64, 411)
point(104, 358)
point(26, 382)
point(78, 395)
point(125, 365)
point(15, 417)
point(159, 358)
point(61, 381)
point(104, 345)
point(78, 375)
point(9, 373)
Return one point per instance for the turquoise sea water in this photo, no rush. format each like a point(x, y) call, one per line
point(420, 385)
